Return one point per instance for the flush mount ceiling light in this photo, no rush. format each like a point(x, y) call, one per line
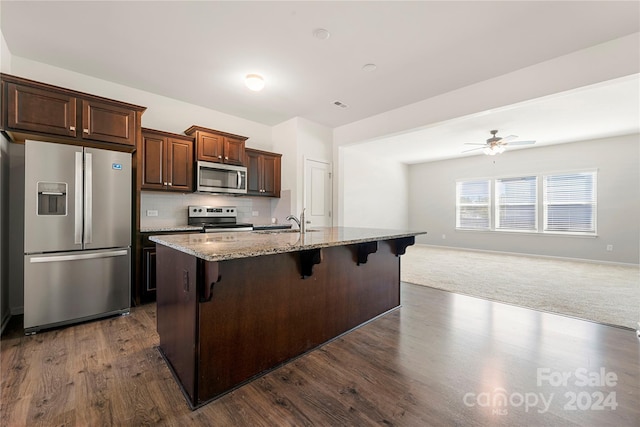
point(321, 33)
point(254, 82)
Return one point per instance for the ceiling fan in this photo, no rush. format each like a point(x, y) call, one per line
point(496, 144)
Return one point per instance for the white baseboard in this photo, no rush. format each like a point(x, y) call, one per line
point(591, 261)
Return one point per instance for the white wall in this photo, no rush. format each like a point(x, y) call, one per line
point(300, 139)
point(5, 56)
point(617, 160)
point(373, 191)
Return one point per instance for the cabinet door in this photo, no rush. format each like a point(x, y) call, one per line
point(234, 151)
point(149, 272)
point(254, 173)
point(271, 176)
point(210, 147)
point(153, 162)
point(108, 123)
point(37, 110)
point(179, 165)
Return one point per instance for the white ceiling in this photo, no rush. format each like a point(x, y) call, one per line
point(199, 52)
point(602, 110)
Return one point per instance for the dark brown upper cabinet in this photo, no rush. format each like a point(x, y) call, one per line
point(37, 109)
point(166, 161)
point(218, 147)
point(263, 173)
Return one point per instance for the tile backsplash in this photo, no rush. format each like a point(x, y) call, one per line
point(172, 207)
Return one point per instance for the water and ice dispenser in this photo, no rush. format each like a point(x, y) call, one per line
point(52, 198)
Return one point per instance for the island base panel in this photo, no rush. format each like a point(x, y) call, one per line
point(177, 314)
point(262, 312)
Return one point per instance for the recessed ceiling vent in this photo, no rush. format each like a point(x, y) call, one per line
point(340, 104)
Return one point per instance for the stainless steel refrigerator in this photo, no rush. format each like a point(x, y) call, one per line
point(77, 239)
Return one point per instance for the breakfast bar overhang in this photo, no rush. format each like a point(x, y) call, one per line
point(232, 306)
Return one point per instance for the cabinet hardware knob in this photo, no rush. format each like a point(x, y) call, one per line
point(219, 157)
point(165, 183)
point(86, 130)
point(170, 184)
point(72, 128)
point(226, 158)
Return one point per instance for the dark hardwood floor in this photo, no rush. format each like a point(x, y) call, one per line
point(440, 360)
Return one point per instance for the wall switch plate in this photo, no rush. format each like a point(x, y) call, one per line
point(152, 212)
point(255, 213)
point(609, 248)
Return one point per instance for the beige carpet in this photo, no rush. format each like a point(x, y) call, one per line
point(604, 293)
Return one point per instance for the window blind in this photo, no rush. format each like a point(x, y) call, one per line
point(473, 201)
point(516, 203)
point(570, 202)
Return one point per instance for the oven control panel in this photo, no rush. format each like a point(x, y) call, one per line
point(212, 211)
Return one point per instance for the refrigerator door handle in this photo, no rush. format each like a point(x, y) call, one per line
point(77, 225)
point(58, 258)
point(88, 195)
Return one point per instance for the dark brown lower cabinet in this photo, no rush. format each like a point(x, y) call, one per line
point(149, 265)
point(223, 323)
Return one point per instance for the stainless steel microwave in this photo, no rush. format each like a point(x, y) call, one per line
point(220, 178)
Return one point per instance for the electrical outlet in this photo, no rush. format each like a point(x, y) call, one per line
point(444, 236)
point(152, 212)
point(609, 248)
point(255, 213)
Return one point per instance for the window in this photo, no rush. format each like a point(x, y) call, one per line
point(516, 204)
point(566, 203)
point(473, 202)
point(570, 202)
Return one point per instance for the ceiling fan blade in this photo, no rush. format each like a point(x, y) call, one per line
point(508, 138)
point(521, 142)
point(473, 149)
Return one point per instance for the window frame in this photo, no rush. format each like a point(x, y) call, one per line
point(593, 203)
point(498, 204)
point(461, 205)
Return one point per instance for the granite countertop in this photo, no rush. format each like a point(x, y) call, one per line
point(225, 246)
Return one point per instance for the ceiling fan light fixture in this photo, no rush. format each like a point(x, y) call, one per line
point(493, 150)
point(255, 82)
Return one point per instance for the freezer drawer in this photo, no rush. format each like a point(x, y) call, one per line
point(69, 287)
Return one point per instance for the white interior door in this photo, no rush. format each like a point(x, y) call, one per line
point(317, 199)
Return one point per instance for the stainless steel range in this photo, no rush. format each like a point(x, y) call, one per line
point(215, 219)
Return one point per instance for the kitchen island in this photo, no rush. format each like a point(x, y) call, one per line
point(232, 306)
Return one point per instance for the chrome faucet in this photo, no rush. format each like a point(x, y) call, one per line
point(301, 222)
